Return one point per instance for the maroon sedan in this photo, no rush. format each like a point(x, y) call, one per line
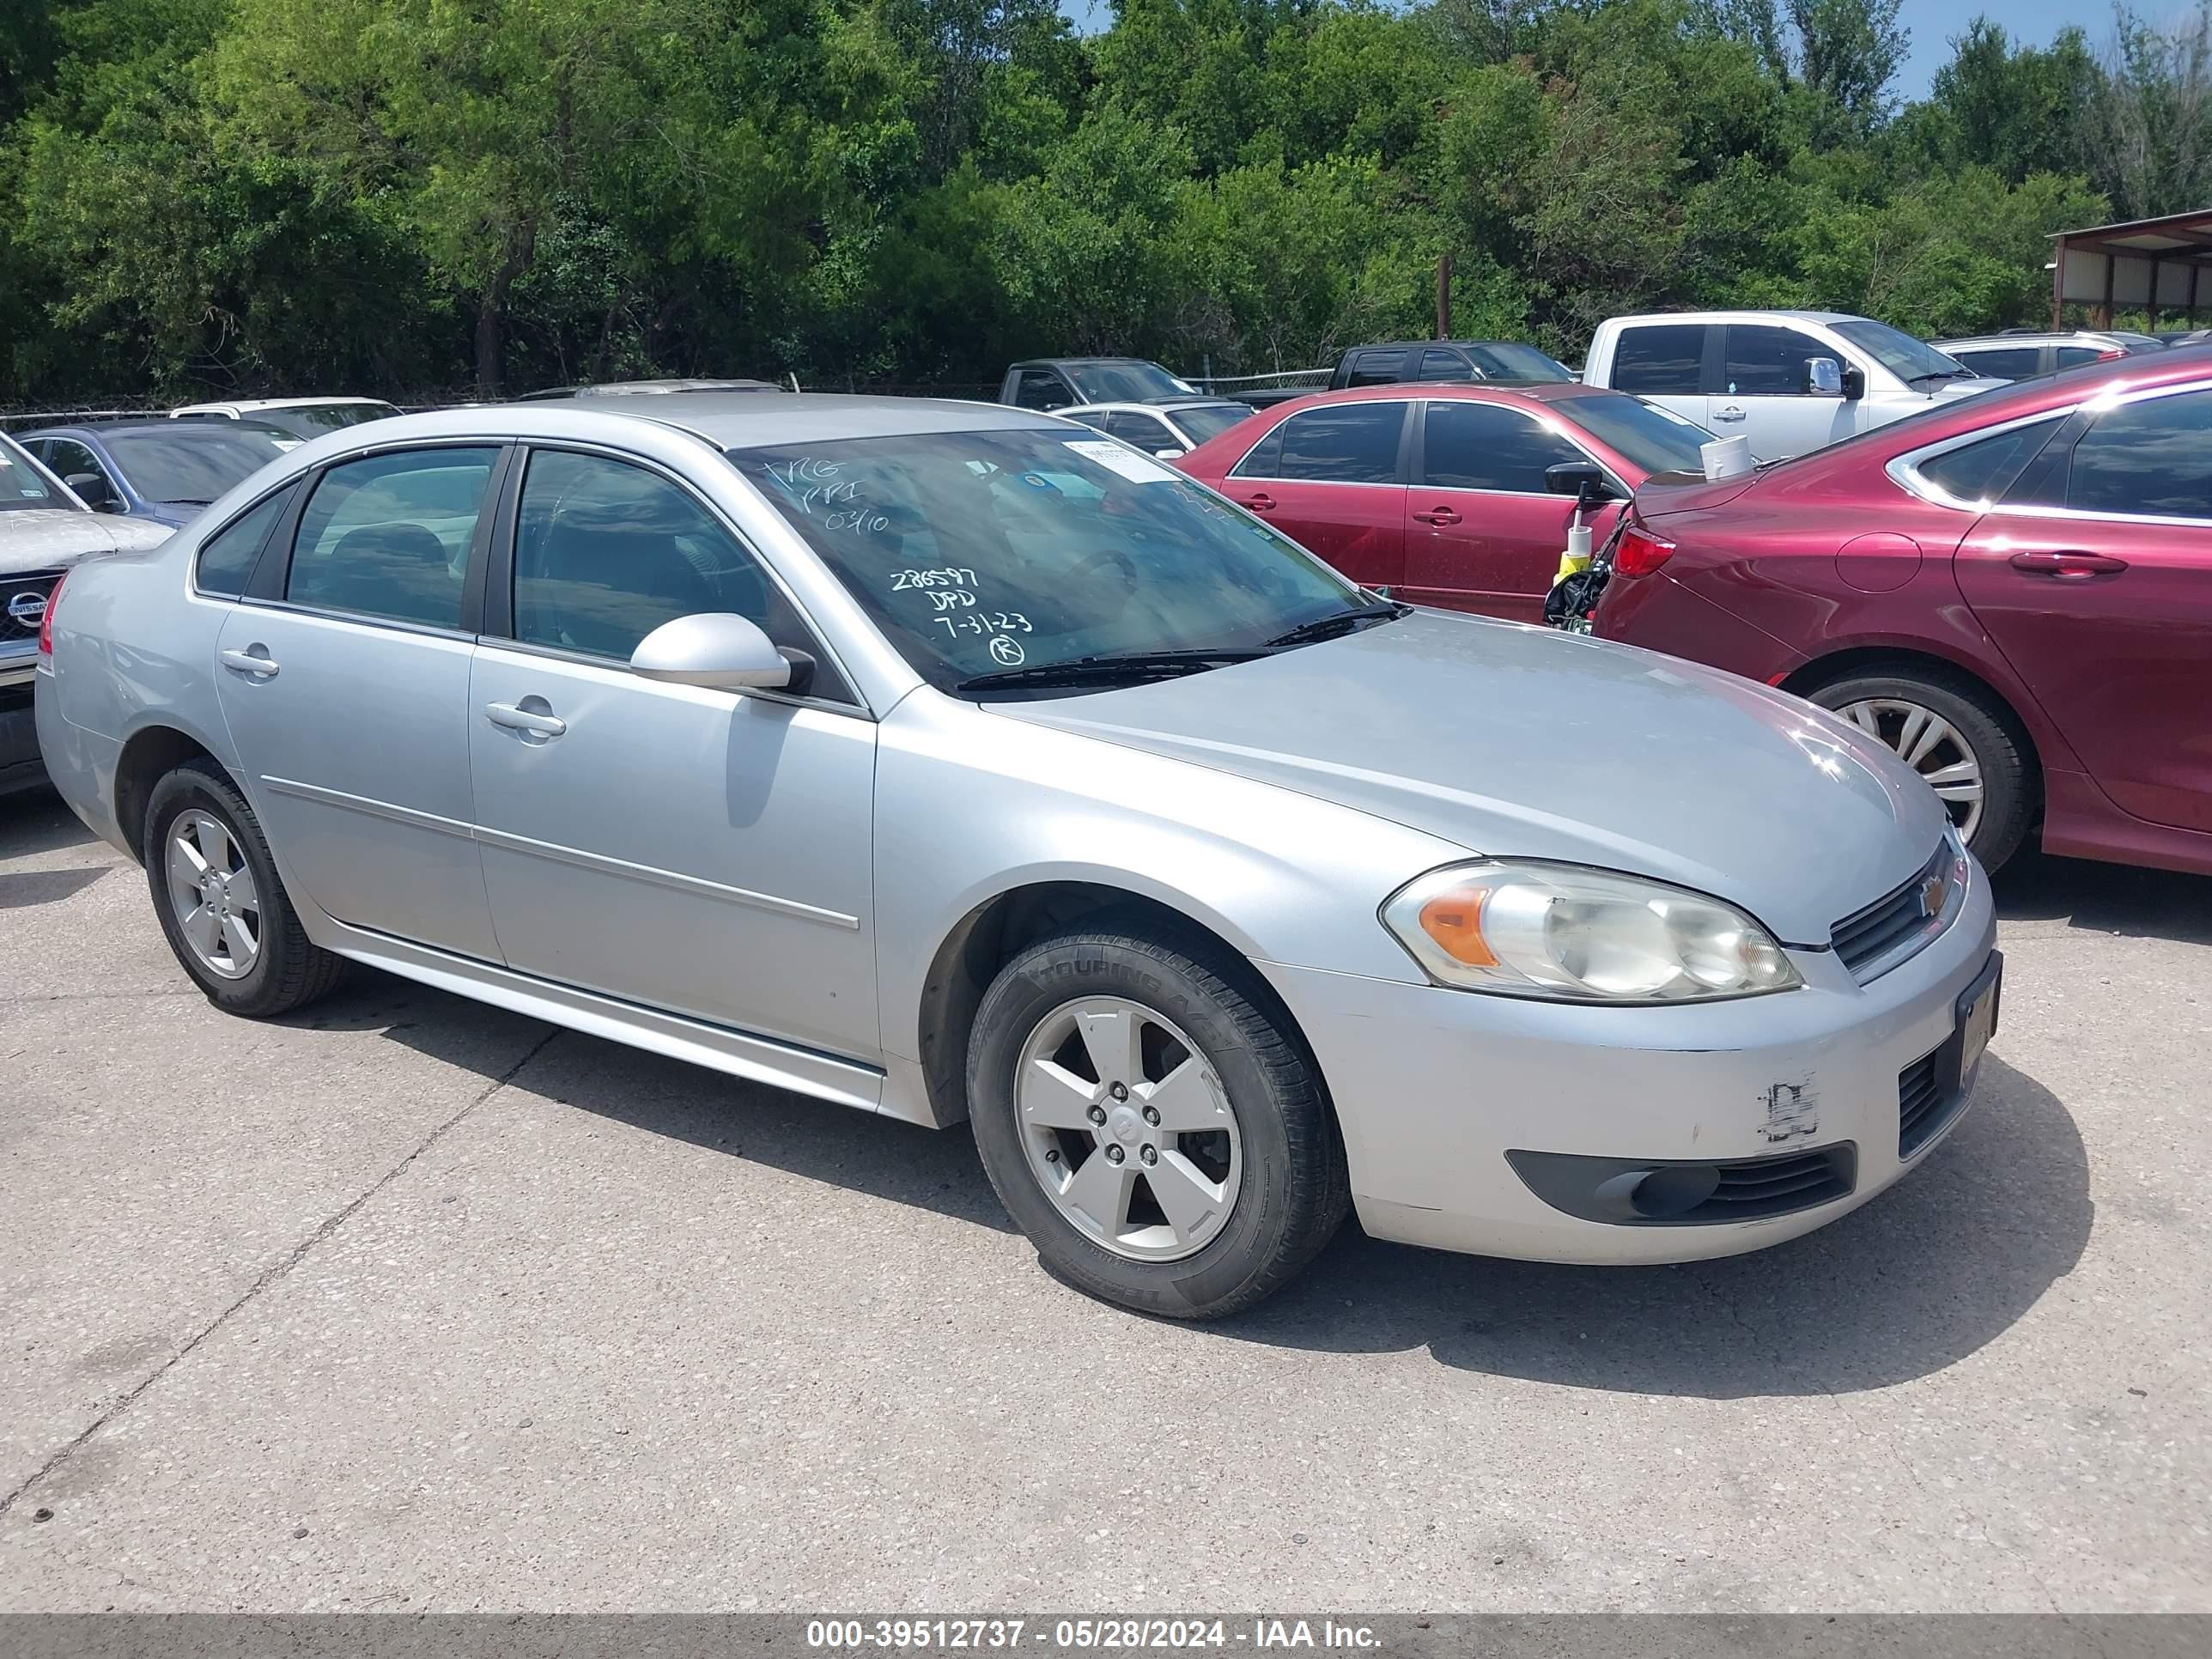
point(2014, 592)
point(1454, 495)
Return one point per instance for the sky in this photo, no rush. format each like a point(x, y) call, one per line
point(1932, 23)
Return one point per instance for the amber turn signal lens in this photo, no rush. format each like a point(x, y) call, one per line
point(1454, 919)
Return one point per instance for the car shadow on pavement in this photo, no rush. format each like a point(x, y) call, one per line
point(1940, 1264)
point(34, 821)
point(2109, 898)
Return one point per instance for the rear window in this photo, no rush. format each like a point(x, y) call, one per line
point(1660, 359)
point(2011, 362)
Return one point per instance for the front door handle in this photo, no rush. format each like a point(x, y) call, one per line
point(523, 720)
point(1731, 413)
point(2068, 566)
point(1260, 503)
point(254, 661)
point(1439, 515)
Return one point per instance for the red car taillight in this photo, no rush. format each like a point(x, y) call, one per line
point(1640, 552)
point(46, 622)
point(2111, 356)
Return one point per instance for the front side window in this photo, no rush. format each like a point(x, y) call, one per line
point(24, 486)
point(977, 552)
point(1377, 368)
point(1344, 443)
point(1147, 432)
point(1646, 435)
point(1510, 360)
point(1443, 367)
point(1489, 447)
point(1206, 422)
point(1660, 359)
point(71, 460)
point(605, 552)
point(1766, 361)
point(227, 561)
point(2149, 458)
point(388, 535)
point(1042, 389)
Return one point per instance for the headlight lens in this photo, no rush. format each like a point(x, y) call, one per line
point(1560, 931)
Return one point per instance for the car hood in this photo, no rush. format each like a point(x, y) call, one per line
point(43, 539)
point(1514, 741)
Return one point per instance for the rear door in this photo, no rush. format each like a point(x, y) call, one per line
point(2095, 579)
point(1331, 478)
point(1665, 363)
point(1766, 391)
point(343, 675)
point(2004, 362)
point(1482, 531)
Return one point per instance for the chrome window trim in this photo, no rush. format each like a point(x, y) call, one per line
point(615, 665)
point(357, 618)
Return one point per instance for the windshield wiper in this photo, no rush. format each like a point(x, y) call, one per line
point(1124, 665)
point(1942, 374)
point(181, 501)
point(1337, 622)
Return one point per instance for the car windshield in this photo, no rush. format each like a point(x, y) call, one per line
point(24, 487)
point(1504, 360)
point(1203, 423)
point(329, 417)
point(191, 462)
point(1129, 381)
point(1909, 359)
point(980, 552)
point(1642, 434)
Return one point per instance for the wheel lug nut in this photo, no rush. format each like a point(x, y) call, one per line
point(1152, 1115)
point(1148, 1155)
point(1051, 1156)
point(1114, 1155)
point(1098, 1114)
point(1120, 1092)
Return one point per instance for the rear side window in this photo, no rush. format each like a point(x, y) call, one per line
point(1377, 367)
point(227, 561)
point(2011, 363)
point(1348, 443)
point(1486, 446)
point(2075, 357)
point(388, 535)
point(2153, 458)
point(1444, 365)
point(1983, 471)
point(1765, 361)
point(1660, 358)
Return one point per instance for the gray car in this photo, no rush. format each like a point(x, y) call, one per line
point(956, 762)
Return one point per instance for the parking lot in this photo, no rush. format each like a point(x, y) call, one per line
point(408, 1303)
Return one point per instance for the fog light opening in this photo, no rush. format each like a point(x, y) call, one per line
point(1675, 1191)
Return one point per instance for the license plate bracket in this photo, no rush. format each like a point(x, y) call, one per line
point(1977, 1023)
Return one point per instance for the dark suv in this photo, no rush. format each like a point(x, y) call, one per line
point(1456, 362)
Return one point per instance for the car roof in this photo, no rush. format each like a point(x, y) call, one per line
point(2028, 337)
point(277, 403)
point(628, 388)
point(1151, 406)
point(1481, 392)
point(1740, 317)
point(161, 426)
point(1054, 362)
point(1399, 346)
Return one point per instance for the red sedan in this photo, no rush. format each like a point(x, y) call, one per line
point(2014, 592)
point(1454, 495)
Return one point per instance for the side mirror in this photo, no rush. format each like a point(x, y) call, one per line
point(721, 651)
point(93, 490)
point(1583, 480)
point(1170, 454)
point(1824, 377)
point(1854, 384)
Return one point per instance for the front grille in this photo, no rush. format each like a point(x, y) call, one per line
point(23, 602)
point(1863, 938)
point(1922, 1106)
point(1775, 1186)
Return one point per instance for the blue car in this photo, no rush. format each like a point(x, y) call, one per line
point(164, 470)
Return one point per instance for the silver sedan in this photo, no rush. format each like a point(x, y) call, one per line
point(956, 762)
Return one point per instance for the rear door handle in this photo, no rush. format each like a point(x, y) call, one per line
point(1439, 515)
point(1731, 413)
point(255, 662)
point(2067, 567)
point(1260, 503)
point(521, 720)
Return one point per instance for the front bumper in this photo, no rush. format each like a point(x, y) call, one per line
point(1434, 1088)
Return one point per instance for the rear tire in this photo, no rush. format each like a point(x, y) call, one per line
point(1221, 1171)
point(221, 906)
point(1981, 732)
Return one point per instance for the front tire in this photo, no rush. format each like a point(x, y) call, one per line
point(1957, 737)
point(1150, 1123)
point(221, 906)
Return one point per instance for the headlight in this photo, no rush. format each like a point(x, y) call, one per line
point(1560, 931)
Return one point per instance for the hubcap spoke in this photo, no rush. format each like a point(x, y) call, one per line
point(203, 927)
point(1100, 1191)
point(1113, 1038)
point(244, 895)
point(1932, 746)
point(215, 845)
point(1185, 1100)
point(236, 934)
point(1054, 1097)
point(1185, 1196)
point(186, 866)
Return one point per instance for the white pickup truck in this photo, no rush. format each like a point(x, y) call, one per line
point(1789, 380)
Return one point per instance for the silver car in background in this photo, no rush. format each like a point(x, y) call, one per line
point(954, 761)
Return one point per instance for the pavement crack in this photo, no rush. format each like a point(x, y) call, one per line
point(278, 1270)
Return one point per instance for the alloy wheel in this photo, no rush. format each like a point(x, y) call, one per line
point(1127, 1128)
point(212, 893)
point(1931, 746)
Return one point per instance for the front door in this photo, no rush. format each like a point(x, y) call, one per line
point(2097, 589)
point(703, 852)
point(1482, 531)
point(1767, 392)
point(346, 687)
point(1332, 479)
